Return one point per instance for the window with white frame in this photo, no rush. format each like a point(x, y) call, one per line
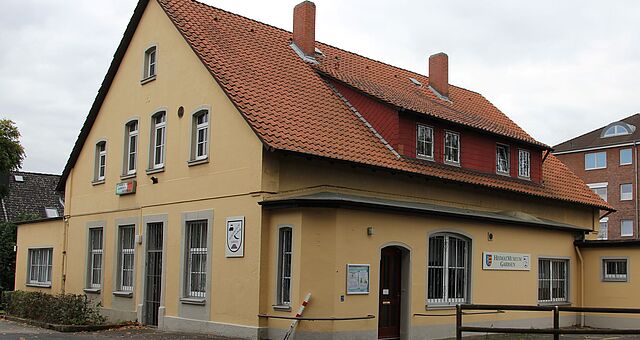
point(600, 189)
point(451, 147)
point(100, 161)
point(524, 163)
point(200, 137)
point(284, 266)
point(40, 260)
point(626, 192)
point(616, 130)
point(553, 280)
point(614, 269)
point(424, 144)
point(448, 269)
point(127, 247)
point(95, 257)
point(158, 139)
point(131, 147)
point(595, 160)
point(196, 256)
point(603, 232)
point(150, 56)
point(502, 159)
point(626, 157)
point(626, 227)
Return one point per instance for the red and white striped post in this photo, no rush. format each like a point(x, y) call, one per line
point(291, 332)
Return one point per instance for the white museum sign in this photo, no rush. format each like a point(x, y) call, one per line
point(505, 261)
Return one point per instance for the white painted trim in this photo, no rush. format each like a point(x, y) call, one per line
point(598, 185)
point(596, 148)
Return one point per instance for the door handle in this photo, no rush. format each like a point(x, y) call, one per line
point(386, 302)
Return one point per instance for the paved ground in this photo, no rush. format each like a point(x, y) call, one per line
point(11, 330)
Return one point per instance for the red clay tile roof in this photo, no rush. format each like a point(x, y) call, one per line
point(290, 106)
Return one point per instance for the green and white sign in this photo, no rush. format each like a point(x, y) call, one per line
point(505, 261)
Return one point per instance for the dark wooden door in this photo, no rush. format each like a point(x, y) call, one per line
point(153, 275)
point(390, 293)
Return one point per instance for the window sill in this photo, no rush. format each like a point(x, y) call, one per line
point(424, 158)
point(92, 290)
point(595, 169)
point(128, 176)
point(148, 79)
point(39, 285)
point(505, 174)
point(452, 163)
point(97, 182)
point(615, 281)
point(558, 303)
point(440, 307)
point(124, 294)
point(197, 161)
point(194, 301)
point(524, 178)
point(282, 308)
point(155, 170)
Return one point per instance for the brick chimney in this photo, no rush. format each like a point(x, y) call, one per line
point(304, 27)
point(439, 73)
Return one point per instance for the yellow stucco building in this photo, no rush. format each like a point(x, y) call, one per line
point(228, 168)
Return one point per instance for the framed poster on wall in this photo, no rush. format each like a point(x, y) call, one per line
point(357, 279)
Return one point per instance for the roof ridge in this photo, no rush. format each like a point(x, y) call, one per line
point(33, 173)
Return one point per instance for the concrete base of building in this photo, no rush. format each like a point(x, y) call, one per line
point(616, 322)
point(116, 315)
point(172, 323)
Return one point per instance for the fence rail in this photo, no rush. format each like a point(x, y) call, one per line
point(556, 330)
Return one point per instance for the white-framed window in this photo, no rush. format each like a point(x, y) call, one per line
point(524, 163)
point(616, 130)
point(614, 269)
point(626, 192)
point(196, 256)
point(502, 159)
point(626, 156)
point(603, 232)
point(424, 142)
point(200, 137)
point(95, 257)
point(448, 269)
point(126, 239)
point(284, 266)
point(150, 62)
point(595, 160)
point(626, 227)
point(553, 280)
point(40, 262)
point(158, 139)
point(131, 147)
point(452, 147)
point(600, 189)
point(100, 161)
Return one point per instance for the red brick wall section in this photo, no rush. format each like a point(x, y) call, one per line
point(615, 174)
point(382, 117)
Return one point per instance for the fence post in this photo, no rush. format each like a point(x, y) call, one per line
point(556, 322)
point(458, 322)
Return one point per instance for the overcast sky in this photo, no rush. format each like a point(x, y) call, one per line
point(557, 68)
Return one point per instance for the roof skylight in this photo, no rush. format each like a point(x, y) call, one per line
point(18, 178)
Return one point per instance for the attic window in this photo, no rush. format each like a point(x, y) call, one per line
point(51, 212)
point(150, 64)
point(618, 129)
point(18, 178)
point(415, 82)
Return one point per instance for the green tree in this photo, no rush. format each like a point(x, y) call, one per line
point(11, 151)
point(7, 255)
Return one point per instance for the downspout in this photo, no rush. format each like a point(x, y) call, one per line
point(65, 240)
point(581, 285)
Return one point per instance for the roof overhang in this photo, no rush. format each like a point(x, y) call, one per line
point(607, 243)
point(340, 200)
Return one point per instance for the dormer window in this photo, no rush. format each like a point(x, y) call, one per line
point(524, 164)
point(502, 159)
point(452, 147)
point(424, 145)
point(150, 67)
point(617, 129)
